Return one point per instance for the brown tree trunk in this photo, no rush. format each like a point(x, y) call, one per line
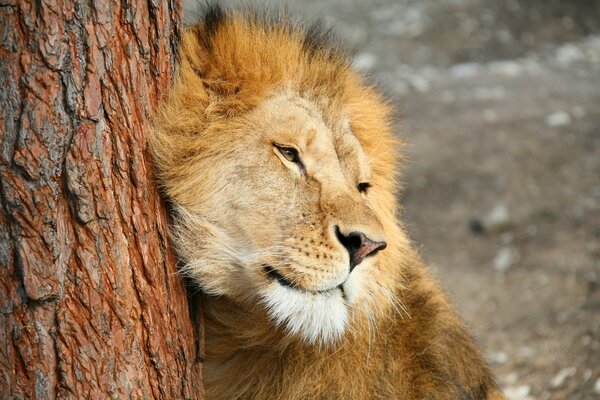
point(91, 304)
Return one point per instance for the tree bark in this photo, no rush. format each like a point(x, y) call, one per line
point(91, 303)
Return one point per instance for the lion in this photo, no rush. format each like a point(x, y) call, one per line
point(280, 163)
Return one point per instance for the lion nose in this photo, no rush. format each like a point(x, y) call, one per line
point(359, 246)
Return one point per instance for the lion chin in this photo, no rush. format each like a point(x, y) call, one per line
point(316, 317)
point(279, 162)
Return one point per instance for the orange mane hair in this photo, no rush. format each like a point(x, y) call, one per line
point(229, 65)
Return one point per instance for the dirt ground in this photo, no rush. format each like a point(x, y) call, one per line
point(499, 103)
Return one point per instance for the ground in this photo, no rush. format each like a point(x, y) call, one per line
point(499, 103)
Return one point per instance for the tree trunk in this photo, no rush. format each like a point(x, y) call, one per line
point(91, 304)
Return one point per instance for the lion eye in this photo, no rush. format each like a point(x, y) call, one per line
point(289, 153)
point(363, 186)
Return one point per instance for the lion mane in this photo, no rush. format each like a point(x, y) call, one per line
point(281, 165)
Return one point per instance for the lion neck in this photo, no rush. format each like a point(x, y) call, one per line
point(246, 357)
point(242, 341)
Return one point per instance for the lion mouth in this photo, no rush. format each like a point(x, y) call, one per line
point(274, 274)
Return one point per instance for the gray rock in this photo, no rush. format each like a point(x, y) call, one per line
point(466, 70)
point(527, 352)
point(569, 54)
point(557, 119)
point(520, 392)
point(560, 378)
point(597, 386)
point(506, 258)
point(498, 220)
point(419, 83)
point(506, 68)
point(365, 61)
point(499, 358)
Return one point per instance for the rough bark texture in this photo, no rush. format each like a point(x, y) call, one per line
point(91, 304)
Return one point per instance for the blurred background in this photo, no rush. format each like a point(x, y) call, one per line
point(499, 104)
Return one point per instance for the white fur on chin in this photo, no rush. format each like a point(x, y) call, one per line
point(317, 317)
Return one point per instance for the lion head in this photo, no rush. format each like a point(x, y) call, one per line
point(279, 160)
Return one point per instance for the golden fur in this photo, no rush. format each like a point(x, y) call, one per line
point(284, 316)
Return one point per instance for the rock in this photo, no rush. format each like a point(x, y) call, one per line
point(569, 54)
point(527, 352)
point(531, 66)
point(543, 280)
point(365, 61)
point(520, 392)
point(560, 378)
point(506, 68)
point(557, 119)
point(510, 378)
point(597, 386)
point(592, 48)
point(429, 72)
point(506, 258)
point(499, 358)
point(410, 23)
point(466, 70)
point(498, 220)
point(419, 83)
